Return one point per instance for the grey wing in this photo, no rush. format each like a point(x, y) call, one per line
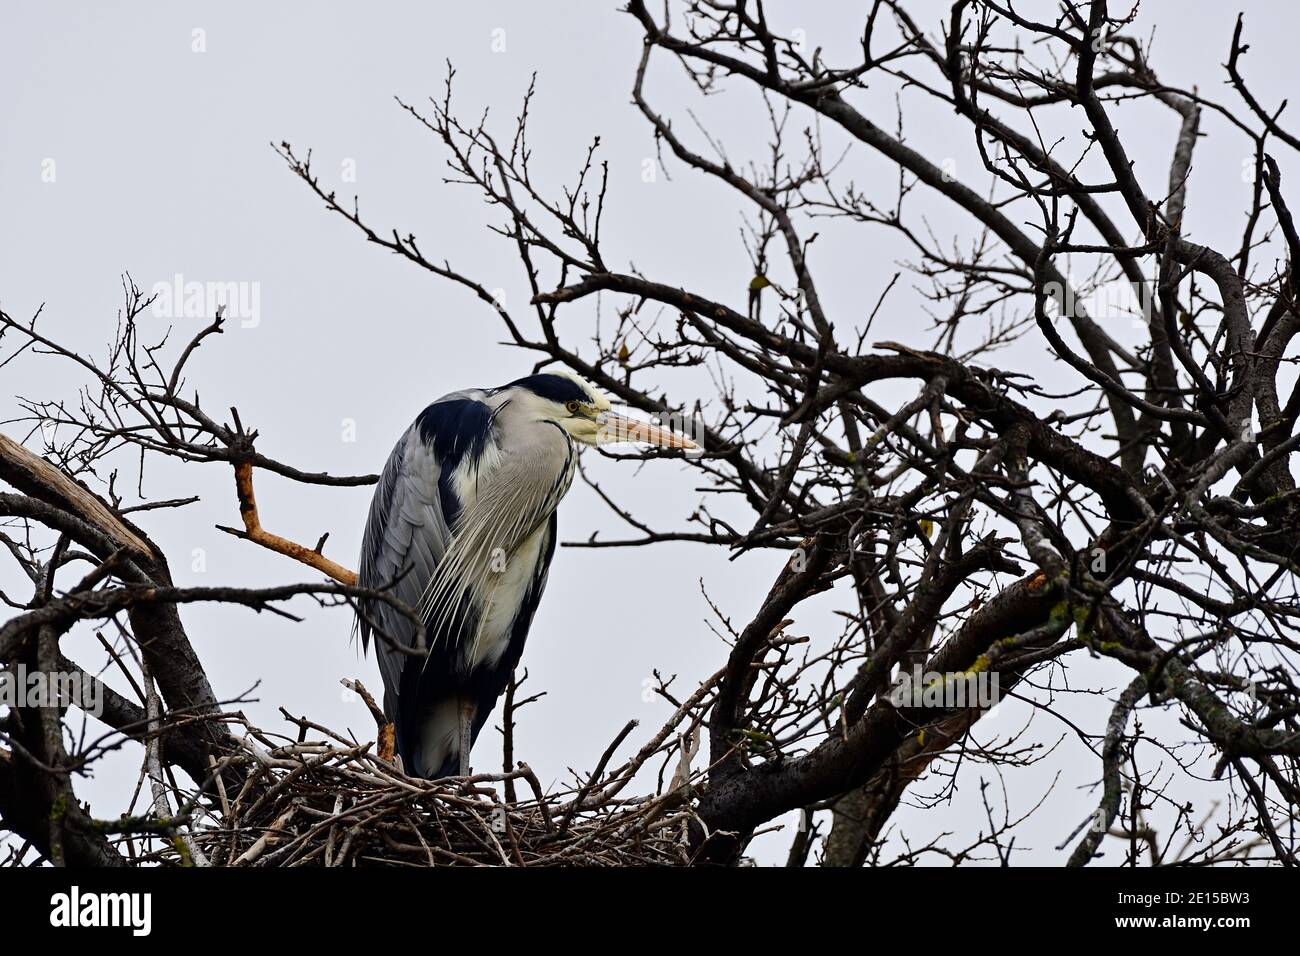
point(406, 537)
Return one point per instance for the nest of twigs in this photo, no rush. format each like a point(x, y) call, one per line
point(329, 801)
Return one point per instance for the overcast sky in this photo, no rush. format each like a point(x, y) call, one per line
point(136, 138)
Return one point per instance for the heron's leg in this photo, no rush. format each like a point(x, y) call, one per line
point(466, 720)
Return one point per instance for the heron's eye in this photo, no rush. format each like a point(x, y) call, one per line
point(572, 407)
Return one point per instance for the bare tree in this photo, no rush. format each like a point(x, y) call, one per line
point(969, 524)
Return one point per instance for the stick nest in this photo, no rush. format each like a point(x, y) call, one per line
point(333, 802)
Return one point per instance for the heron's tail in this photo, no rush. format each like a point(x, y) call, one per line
point(433, 750)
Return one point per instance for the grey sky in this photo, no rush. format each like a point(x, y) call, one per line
point(162, 166)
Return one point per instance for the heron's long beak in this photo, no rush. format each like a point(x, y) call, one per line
point(614, 428)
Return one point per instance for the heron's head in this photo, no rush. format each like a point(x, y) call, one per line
point(584, 413)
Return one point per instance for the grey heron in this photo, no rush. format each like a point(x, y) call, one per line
point(462, 529)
